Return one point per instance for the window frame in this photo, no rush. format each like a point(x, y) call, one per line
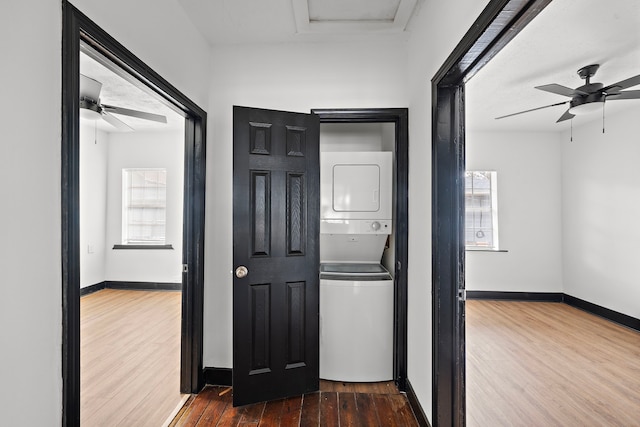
point(493, 193)
point(124, 229)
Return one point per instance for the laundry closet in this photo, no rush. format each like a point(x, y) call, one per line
point(357, 241)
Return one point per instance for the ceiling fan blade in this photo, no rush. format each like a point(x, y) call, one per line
point(116, 122)
point(561, 90)
point(135, 113)
point(623, 84)
point(533, 109)
point(566, 116)
point(89, 88)
point(630, 94)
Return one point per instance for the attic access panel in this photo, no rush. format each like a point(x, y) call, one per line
point(353, 16)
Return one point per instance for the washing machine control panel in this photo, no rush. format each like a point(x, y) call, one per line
point(355, 226)
point(375, 226)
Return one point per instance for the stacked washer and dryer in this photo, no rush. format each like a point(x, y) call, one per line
point(356, 291)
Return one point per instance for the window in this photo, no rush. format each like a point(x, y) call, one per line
point(144, 193)
point(481, 210)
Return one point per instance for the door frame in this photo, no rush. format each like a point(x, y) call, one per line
point(499, 22)
point(399, 116)
point(77, 27)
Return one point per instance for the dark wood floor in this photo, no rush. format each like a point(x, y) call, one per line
point(382, 406)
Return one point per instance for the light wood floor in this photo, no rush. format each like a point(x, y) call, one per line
point(336, 404)
point(130, 357)
point(549, 364)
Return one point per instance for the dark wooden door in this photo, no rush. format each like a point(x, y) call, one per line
point(276, 208)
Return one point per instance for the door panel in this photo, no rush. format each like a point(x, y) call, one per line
point(276, 187)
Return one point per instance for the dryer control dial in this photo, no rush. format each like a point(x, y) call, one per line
point(368, 226)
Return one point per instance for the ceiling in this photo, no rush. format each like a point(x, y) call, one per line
point(277, 21)
point(565, 36)
point(117, 91)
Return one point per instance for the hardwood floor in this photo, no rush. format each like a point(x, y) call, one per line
point(365, 405)
point(130, 357)
point(549, 364)
point(385, 387)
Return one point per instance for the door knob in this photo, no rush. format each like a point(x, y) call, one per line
point(241, 272)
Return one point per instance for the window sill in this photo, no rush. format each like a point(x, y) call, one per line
point(484, 250)
point(169, 246)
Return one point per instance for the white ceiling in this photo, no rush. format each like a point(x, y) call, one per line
point(118, 92)
point(277, 21)
point(255, 21)
point(565, 36)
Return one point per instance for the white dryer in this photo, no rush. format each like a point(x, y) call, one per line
point(356, 291)
point(356, 185)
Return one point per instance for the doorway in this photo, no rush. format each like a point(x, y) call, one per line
point(499, 22)
point(77, 29)
point(399, 119)
point(131, 207)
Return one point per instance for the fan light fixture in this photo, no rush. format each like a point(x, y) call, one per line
point(588, 98)
point(92, 109)
point(587, 108)
point(87, 114)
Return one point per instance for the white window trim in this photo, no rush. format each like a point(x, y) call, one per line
point(493, 177)
point(125, 211)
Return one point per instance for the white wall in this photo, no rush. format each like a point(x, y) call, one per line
point(601, 207)
point(529, 212)
point(145, 150)
point(586, 200)
point(292, 77)
point(160, 34)
point(435, 32)
point(30, 256)
point(93, 204)
point(351, 137)
point(30, 298)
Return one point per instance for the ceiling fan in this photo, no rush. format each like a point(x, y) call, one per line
point(91, 108)
point(588, 97)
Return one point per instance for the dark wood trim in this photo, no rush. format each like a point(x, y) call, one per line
point(143, 286)
point(70, 201)
point(516, 296)
point(499, 22)
point(598, 310)
point(449, 408)
point(399, 116)
point(132, 286)
point(144, 247)
point(191, 378)
point(361, 115)
point(486, 250)
point(93, 288)
point(76, 27)
point(218, 376)
point(418, 412)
